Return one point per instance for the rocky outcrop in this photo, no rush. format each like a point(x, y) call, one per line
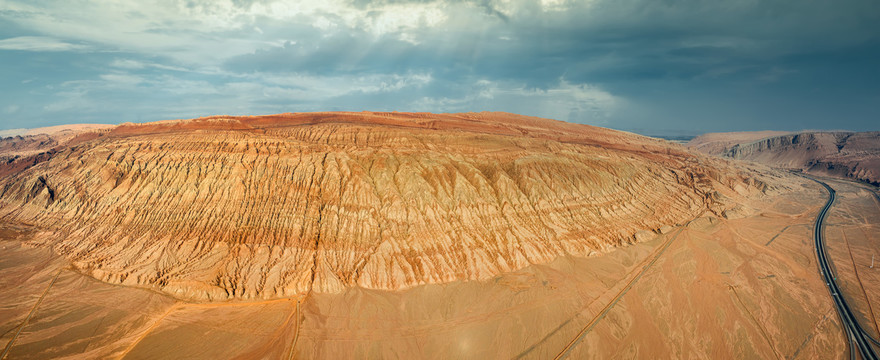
point(30, 147)
point(790, 150)
point(844, 154)
point(262, 207)
point(720, 143)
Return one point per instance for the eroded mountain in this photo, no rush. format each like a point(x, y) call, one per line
point(272, 206)
point(854, 155)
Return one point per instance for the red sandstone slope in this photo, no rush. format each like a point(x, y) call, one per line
point(271, 206)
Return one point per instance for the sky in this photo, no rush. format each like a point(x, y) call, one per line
point(663, 67)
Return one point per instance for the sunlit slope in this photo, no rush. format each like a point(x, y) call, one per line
point(263, 207)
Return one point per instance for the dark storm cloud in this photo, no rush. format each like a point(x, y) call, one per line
point(684, 40)
point(665, 65)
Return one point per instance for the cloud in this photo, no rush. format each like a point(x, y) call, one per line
point(121, 92)
point(202, 32)
point(565, 101)
point(39, 43)
point(620, 63)
point(131, 64)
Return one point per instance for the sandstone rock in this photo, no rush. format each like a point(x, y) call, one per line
point(644, 235)
point(853, 155)
point(262, 207)
point(702, 223)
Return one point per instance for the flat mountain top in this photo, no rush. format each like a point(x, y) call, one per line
point(854, 155)
point(717, 143)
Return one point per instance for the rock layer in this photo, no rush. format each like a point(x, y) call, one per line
point(853, 155)
point(719, 143)
point(26, 148)
point(273, 206)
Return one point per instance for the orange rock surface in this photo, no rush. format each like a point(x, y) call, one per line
point(273, 206)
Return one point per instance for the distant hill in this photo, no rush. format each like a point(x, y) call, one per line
point(853, 155)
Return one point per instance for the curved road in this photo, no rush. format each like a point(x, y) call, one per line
point(857, 336)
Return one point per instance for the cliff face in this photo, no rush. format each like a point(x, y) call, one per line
point(790, 150)
point(263, 207)
point(844, 154)
point(720, 143)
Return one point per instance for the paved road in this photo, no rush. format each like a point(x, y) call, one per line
point(858, 339)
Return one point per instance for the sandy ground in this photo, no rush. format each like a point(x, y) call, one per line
point(853, 238)
point(716, 288)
